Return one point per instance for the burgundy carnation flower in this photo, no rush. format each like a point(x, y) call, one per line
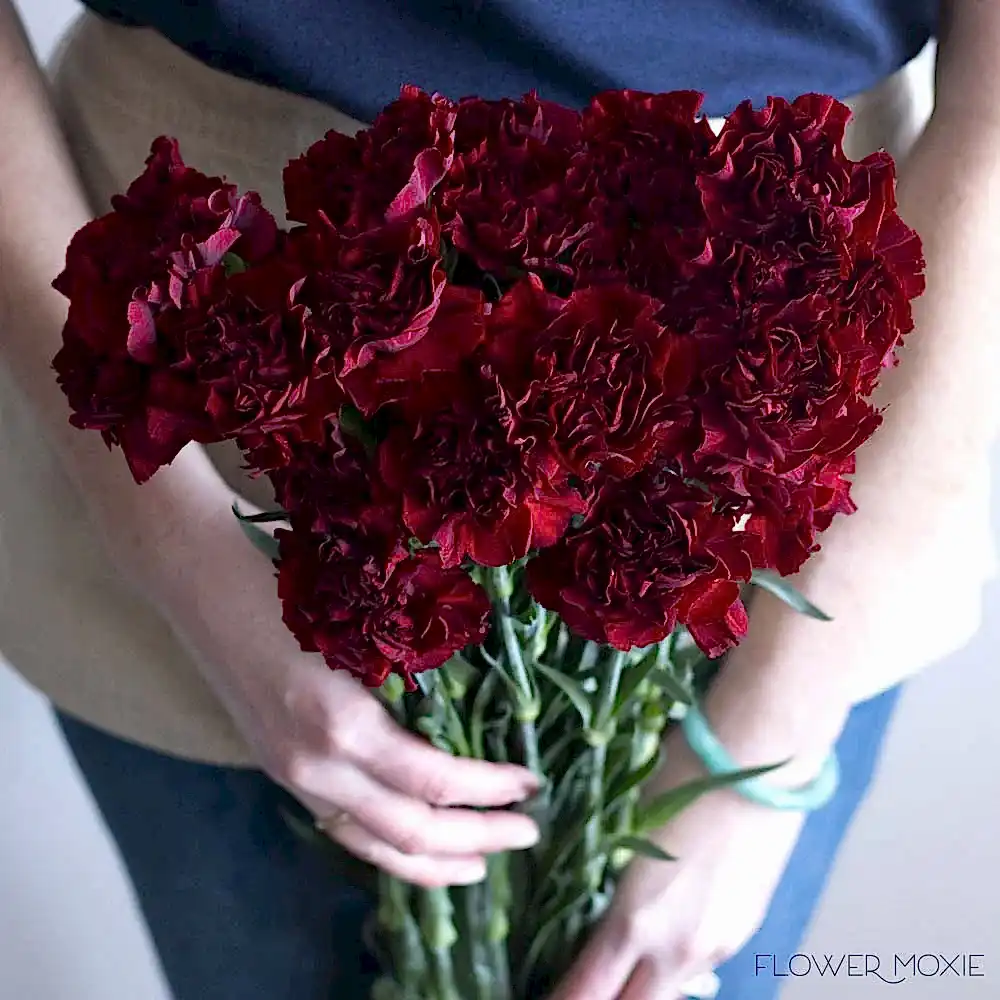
point(378, 308)
point(356, 183)
point(350, 587)
point(336, 482)
point(264, 385)
point(137, 280)
point(506, 201)
point(793, 220)
point(594, 373)
point(788, 513)
point(472, 478)
point(652, 553)
point(787, 390)
point(815, 272)
point(372, 612)
point(645, 218)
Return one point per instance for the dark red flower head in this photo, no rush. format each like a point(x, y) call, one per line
point(350, 587)
point(386, 172)
point(138, 279)
point(335, 483)
point(652, 553)
point(639, 170)
point(813, 273)
point(788, 513)
point(595, 373)
point(378, 309)
point(787, 391)
point(506, 200)
point(372, 614)
point(472, 479)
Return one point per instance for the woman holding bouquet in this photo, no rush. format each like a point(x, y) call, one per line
point(152, 625)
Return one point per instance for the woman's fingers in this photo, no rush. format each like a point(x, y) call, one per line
point(347, 723)
point(609, 969)
point(427, 870)
point(415, 827)
point(602, 970)
point(649, 983)
point(412, 766)
point(643, 985)
point(412, 826)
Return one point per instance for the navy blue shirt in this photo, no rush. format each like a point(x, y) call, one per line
point(355, 54)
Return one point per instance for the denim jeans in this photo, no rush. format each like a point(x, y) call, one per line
point(240, 909)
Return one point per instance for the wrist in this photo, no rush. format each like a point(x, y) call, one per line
point(758, 744)
point(766, 707)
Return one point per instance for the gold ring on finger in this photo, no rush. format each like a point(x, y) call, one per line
point(330, 822)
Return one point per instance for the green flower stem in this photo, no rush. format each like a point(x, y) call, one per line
point(526, 709)
point(475, 928)
point(486, 904)
point(599, 738)
point(499, 897)
point(648, 724)
point(595, 805)
point(406, 945)
point(647, 733)
point(609, 689)
point(540, 636)
point(526, 712)
point(439, 934)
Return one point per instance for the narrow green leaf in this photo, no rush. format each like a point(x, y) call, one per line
point(633, 780)
point(640, 845)
point(564, 786)
point(660, 810)
point(632, 677)
point(307, 832)
point(665, 679)
point(684, 655)
point(784, 591)
point(571, 689)
point(492, 286)
point(267, 517)
point(456, 731)
point(449, 257)
point(554, 753)
point(262, 540)
point(545, 931)
point(554, 715)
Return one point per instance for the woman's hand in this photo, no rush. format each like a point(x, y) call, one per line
point(383, 793)
point(672, 921)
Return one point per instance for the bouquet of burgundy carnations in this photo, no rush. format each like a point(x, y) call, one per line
point(539, 393)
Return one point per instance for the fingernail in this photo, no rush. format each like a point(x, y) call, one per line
point(531, 784)
point(526, 836)
point(471, 873)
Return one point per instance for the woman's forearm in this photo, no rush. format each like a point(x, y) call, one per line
point(42, 204)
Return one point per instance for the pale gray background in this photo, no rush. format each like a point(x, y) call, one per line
point(919, 871)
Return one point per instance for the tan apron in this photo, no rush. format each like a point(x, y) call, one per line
point(68, 624)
